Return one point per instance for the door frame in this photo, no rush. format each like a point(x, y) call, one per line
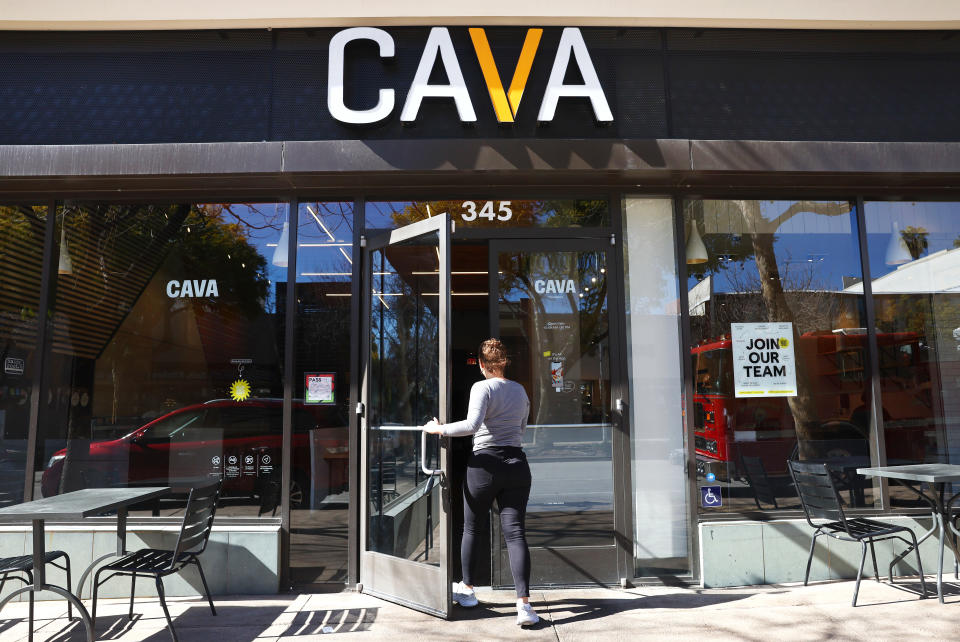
point(418, 586)
point(571, 564)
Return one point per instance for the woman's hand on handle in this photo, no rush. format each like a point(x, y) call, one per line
point(433, 427)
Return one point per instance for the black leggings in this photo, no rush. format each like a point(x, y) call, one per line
point(501, 473)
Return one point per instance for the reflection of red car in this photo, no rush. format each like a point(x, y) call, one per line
point(239, 441)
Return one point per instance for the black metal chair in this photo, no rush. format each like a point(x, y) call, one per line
point(14, 568)
point(192, 541)
point(818, 494)
point(756, 475)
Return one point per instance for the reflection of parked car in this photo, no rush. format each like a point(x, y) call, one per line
point(238, 440)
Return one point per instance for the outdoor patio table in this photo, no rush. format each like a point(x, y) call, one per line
point(71, 507)
point(935, 476)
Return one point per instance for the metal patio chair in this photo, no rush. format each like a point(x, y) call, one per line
point(756, 475)
point(192, 541)
point(818, 494)
point(14, 568)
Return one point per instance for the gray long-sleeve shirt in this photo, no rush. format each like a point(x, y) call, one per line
point(497, 415)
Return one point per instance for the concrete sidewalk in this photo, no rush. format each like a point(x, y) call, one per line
point(794, 612)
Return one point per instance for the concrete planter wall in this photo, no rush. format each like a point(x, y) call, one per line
point(741, 553)
point(239, 560)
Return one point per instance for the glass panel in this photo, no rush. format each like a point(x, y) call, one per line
point(166, 351)
point(913, 262)
point(21, 263)
point(403, 395)
point(554, 320)
point(491, 214)
point(656, 418)
point(319, 479)
point(784, 270)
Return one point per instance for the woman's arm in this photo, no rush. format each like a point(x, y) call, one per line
point(477, 410)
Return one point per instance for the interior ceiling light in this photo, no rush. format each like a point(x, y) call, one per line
point(696, 250)
point(66, 265)
point(280, 253)
point(897, 251)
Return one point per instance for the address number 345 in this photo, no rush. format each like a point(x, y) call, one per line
point(502, 212)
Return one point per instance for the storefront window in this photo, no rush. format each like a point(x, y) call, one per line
point(21, 264)
point(914, 259)
point(482, 213)
point(779, 352)
point(319, 478)
point(655, 404)
point(166, 358)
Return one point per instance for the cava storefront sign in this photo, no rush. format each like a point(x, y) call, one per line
point(764, 364)
point(439, 52)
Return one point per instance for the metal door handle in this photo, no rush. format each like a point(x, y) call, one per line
point(423, 456)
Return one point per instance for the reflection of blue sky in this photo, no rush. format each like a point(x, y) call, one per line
point(941, 220)
point(811, 249)
point(262, 225)
point(325, 242)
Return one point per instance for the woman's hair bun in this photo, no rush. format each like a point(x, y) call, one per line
point(493, 354)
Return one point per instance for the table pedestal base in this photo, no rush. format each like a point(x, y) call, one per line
point(62, 592)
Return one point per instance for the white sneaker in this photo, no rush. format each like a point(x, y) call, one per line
point(526, 616)
point(464, 595)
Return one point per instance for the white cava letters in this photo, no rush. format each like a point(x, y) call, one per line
point(438, 42)
point(555, 286)
point(335, 91)
point(571, 41)
point(196, 288)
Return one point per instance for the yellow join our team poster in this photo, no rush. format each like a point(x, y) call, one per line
point(764, 364)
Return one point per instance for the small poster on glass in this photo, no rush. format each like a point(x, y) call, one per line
point(319, 388)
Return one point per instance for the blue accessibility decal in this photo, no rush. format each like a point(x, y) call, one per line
point(710, 497)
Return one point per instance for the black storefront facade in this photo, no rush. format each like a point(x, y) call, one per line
point(161, 190)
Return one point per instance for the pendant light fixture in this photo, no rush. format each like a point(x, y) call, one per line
point(65, 265)
point(897, 251)
point(696, 250)
point(280, 254)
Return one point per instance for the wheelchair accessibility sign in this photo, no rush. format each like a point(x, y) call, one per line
point(710, 497)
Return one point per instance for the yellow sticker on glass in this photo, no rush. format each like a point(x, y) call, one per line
point(240, 390)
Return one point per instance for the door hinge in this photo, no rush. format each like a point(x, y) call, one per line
point(360, 408)
point(453, 226)
point(363, 241)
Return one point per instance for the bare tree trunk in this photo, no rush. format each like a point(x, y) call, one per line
point(802, 406)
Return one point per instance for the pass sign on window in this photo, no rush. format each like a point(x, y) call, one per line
point(319, 388)
point(764, 364)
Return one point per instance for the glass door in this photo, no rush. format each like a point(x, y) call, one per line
point(405, 536)
point(549, 305)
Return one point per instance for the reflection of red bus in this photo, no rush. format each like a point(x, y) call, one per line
point(727, 428)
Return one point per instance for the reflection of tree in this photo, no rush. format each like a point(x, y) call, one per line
point(404, 341)
point(525, 213)
point(808, 297)
point(21, 252)
point(114, 320)
point(114, 244)
point(915, 238)
point(587, 314)
point(758, 241)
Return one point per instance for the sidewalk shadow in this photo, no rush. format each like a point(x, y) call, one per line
point(59, 629)
point(252, 622)
point(558, 611)
point(569, 610)
point(494, 610)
